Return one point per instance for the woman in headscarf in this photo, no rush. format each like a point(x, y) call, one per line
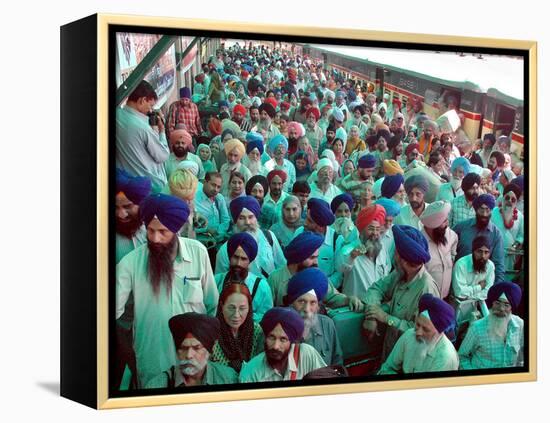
point(301, 163)
point(240, 338)
point(304, 146)
point(236, 187)
point(354, 142)
point(205, 154)
point(290, 220)
point(338, 150)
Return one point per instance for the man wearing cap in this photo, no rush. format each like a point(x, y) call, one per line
point(180, 143)
point(368, 260)
point(306, 289)
point(243, 249)
point(425, 348)
point(273, 202)
point(284, 357)
point(185, 112)
point(278, 147)
point(416, 187)
point(323, 188)
point(245, 211)
point(462, 205)
point(167, 276)
point(393, 188)
point(194, 337)
point(356, 181)
point(496, 340)
point(442, 242)
point(141, 149)
point(481, 224)
point(393, 300)
point(453, 189)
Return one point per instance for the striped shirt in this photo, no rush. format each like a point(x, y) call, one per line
point(460, 210)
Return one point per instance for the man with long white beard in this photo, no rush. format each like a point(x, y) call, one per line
point(255, 154)
point(306, 289)
point(416, 187)
point(278, 147)
point(453, 189)
point(366, 261)
point(181, 142)
point(324, 187)
point(425, 348)
point(245, 211)
point(194, 337)
point(284, 357)
point(462, 205)
point(496, 340)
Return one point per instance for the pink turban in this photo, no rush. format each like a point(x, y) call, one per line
point(179, 134)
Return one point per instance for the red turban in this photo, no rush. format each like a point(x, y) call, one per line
point(215, 127)
point(239, 108)
point(370, 214)
point(272, 101)
point(245, 74)
point(412, 147)
point(276, 172)
point(313, 111)
point(178, 134)
point(285, 105)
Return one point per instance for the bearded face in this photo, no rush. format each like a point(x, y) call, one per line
point(440, 235)
point(129, 225)
point(180, 150)
point(160, 266)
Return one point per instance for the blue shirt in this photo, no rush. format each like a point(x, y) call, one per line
point(468, 230)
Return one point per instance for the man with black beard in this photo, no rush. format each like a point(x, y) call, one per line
point(284, 358)
point(306, 289)
point(442, 243)
point(167, 276)
point(328, 139)
point(461, 206)
point(469, 229)
point(416, 187)
point(180, 143)
point(264, 126)
point(242, 249)
point(496, 340)
point(367, 261)
point(496, 165)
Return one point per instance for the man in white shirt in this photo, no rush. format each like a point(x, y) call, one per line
point(416, 187)
point(323, 188)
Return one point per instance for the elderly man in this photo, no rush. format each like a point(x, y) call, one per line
point(481, 224)
point(356, 182)
point(392, 188)
point(180, 143)
point(393, 300)
point(453, 189)
point(167, 276)
point(314, 133)
point(461, 206)
point(306, 289)
point(323, 188)
point(416, 187)
point(318, 220)
point(245, 211)
point(392, 209)
point(496, 340)
point(194, 337)
point(425, 348)
point(234, 151)
point(284, 358)
point(273, 202)
point(243, 249)
point(366, 261)
point(442, 242)
point(278, 147)
point(185, 112)
point(255, 154)
point(265, 125)
point(141, 149)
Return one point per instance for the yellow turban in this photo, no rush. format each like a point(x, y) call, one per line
point(183, 184)
point(233, 144)
point(391, 167)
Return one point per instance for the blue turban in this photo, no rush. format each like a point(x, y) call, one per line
point(171, 211)
point(223, 103)
point(442, 315)
point(320, 212)
point(289, 319)
point(486, 199)
point(511, 290)
point(302, 247)
point(276, 140)
point(342, 198)
point(185, 92)
point(135, 188)
point(411, 244)
point(246, 242)
point(304, 281)
point(247, 201)
point(391, 185)
point(367, 161)
point(392, 207)
point(416, 181)
point(462, 162)
point(254, 140)
point(518, 181)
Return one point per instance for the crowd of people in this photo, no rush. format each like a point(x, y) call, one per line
point(238, 231)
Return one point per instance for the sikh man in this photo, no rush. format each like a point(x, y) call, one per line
point(392, 209)
point(462, 205)
point(194, 337)
point(273, 202)
point(368, 260)
point(180, 143)
point(392, 188)
point(453, 189)
point(243, 249)
point(167, 276)
point(355, 183)
point(412, 153)
point(284, 357)
point(425, 348)
point(442, 242)
point(481, 224)
point(265, 125)
point(416, 187)
point(245, 211)
point(393, 300)
point(255, 154)
point(185, 112)
point(497, 340)
point(324, 188)
point(306, 289)
point(278, 147)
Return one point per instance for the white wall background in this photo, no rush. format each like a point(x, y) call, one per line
point(29, 216)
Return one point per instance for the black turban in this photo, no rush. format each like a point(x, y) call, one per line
point(204, 328)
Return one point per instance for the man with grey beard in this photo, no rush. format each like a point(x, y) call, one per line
point(306, 289)
point(369, 260)
point(496, 340)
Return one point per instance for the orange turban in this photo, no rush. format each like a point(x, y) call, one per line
point(370, 214)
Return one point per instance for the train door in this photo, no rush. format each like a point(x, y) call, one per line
point(504, 120)
point(380, 83)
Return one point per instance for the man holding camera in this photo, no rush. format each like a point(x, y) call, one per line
point(141, 148)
